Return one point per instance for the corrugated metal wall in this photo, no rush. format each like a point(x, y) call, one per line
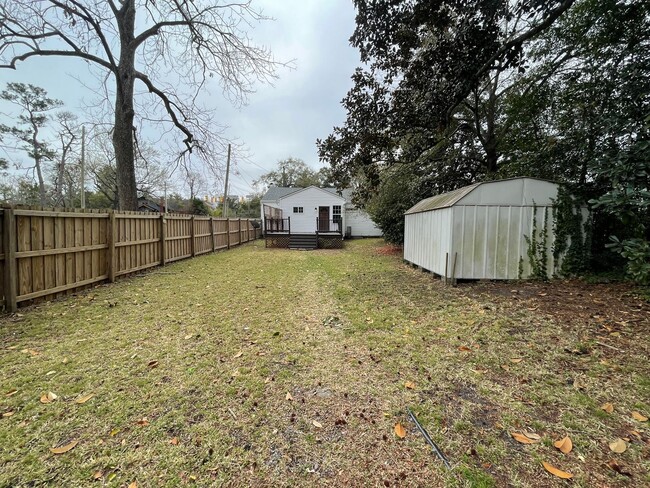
point(427, 239)
point(490, 240)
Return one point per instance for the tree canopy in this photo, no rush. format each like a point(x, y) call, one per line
point(454, 93)
point(294, 172)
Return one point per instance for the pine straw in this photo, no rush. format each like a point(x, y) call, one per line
point(341, 332)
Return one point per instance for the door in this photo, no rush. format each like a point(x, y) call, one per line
point(323, 219)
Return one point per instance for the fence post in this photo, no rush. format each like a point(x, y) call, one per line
point(9, 244)
point(214, 245)
point(239, 227)
point(112, 231)
point(228, 233)
point(163, 239)
point(248, 230)
point(192, 233)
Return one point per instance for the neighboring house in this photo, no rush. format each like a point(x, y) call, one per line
point(313, 211)
point(145, 205)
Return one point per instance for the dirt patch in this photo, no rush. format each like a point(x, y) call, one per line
point(390, 250)
point(613, 312)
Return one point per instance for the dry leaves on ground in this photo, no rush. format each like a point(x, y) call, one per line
point(565, 445)
point(400, 431)
point(618, 446)
point(556, 472)
point(64, 449)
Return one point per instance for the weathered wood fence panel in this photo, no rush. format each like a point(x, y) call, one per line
point(47, 253)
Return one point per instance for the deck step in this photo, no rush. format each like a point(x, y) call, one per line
point(303, 241)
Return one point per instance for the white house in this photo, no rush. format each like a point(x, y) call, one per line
point(482, 231)
point(312, 209)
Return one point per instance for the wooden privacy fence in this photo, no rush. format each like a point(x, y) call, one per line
point(48, 253)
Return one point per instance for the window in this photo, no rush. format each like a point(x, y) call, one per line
point(336, 213)
point(297, 209)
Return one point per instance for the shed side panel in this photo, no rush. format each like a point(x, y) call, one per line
point(427, 238)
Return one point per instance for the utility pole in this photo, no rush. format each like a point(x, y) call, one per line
point(83, 166)
point(225, 188)
point(165, 196)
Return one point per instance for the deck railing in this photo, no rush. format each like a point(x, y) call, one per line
point(327, 226)
point(277, 226)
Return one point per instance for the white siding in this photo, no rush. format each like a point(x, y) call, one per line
point(360, 223)
point(309, 199)
point(427, 239)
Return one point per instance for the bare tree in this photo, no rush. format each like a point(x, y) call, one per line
point(178, 41)
point(68, 138)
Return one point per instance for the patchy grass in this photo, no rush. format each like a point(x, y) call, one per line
point(340, 332)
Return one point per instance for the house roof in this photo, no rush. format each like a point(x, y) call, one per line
point(441, 201)
point(275, 193)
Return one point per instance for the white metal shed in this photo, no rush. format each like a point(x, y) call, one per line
point(479, 231)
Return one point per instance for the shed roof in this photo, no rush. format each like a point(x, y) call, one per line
point(441, 201)
point(519, 191)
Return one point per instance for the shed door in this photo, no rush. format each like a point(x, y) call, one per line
point(323, 219)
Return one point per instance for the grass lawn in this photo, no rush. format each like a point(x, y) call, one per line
point(269, 367)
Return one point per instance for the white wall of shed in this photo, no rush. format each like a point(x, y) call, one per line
point(512, 192)
point(427, 239)
point(309, 199)
point(490, 240)
point(360, 223)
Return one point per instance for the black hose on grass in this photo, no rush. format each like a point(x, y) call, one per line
point(427, 438)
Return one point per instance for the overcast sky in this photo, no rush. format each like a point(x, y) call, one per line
point(279, 121)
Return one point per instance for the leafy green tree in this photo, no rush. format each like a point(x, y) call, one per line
point(292, 172)
point(34, 105)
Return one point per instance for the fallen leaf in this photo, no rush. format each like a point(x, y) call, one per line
point(174, 441)
point(637, 416)
point(84, 399)
point(516, 360)
point(8, 414)
point(464, 349)
point(533, 436)
point(49, 397)
point(619, 446)
point(267, 380)
point(114, 432)
point(317, 424)
point(238, 355)
point(98, 475)
point(30, 351)
point(410, 385)
point(289, 397)
point(50, 373)
point(188, 336)
point(64, 449)
point(11, 393)
point(613, 464)
point(505, 367)
point(522, 438)
point(153, 364)
point(143, 421)
point(557, 472)
point(133, 484)
point(607, 407)
point(565, 445)
point(635, 434)
point(400, 431)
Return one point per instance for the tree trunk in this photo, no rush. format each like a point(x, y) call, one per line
point(37, 164)
point(124, 113)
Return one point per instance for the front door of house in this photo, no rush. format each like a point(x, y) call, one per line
point(323, 219)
